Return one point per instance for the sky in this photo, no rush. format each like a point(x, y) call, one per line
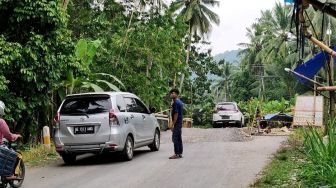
point(235, 17)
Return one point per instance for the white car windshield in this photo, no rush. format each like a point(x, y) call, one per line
point(226, 107)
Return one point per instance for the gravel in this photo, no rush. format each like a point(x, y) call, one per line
point(193, 135)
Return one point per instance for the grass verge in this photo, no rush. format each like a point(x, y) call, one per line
point(39, 155)
point(307, 159)
point(285, 168)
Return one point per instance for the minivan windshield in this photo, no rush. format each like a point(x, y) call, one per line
point(86, 105)
point(226, 107)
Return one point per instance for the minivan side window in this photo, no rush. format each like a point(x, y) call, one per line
point(141, 107)
point(120, 103)
point(130, 104)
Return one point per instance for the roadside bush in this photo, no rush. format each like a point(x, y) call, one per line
point(321, 157)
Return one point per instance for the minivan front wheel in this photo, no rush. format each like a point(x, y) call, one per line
point(155, 146)
point(128, 149)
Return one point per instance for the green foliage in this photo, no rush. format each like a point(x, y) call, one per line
point(37, 155)
point(198, 89)
point(282, 170)
point(308, 160)
point(321, 156)
point(118, 48)
point(287, 165)
point(86, 80)
point(197, 14)
point(242, 86)
point(222, 86)
point(270, 49)
point(143, 50)
point(35, 49)
point(265, 107)
point(86, 50)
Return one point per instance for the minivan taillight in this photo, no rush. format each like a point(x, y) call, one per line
point(113, 118)
point(57, 120)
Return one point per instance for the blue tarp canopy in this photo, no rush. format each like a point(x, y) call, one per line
point(312, 66)
point(289, 1)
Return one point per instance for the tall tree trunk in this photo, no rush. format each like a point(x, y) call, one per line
point(187, 57)
point(65, 4)
point(126, 35)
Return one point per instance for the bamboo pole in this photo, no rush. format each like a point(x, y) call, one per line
point(322, 45)
point(326, 88)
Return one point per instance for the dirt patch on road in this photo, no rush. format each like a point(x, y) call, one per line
point(192, 135)
point(284, 131)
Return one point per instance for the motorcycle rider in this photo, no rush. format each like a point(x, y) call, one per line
point(4, 130)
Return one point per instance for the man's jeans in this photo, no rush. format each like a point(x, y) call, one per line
point(177, 139)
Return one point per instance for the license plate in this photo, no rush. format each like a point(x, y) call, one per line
point(225, 117)
point(84, 130)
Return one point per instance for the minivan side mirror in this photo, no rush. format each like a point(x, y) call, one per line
point(152, 110)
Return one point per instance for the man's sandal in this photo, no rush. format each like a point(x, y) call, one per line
point(175, 157)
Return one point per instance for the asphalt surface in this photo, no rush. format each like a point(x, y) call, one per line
point(206, 163)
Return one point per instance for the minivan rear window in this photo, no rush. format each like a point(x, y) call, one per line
point(86, 105)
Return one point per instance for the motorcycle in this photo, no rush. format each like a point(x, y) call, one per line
point(16, 180)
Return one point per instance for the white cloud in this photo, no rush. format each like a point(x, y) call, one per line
point(236, 16)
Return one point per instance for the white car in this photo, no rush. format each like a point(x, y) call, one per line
point(227, 113)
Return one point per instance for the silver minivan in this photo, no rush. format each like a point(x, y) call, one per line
point(104, 122)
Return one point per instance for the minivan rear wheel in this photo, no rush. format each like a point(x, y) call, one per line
point(155, 146)
point(68, 158)
point(128, 149)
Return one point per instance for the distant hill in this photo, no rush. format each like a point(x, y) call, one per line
point(230, 56)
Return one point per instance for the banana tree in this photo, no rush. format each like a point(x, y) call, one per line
point(85, 52)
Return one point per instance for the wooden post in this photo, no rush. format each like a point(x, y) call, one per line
point(315, 86)
point(331, 92)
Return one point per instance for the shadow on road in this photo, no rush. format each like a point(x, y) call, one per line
point(105, 158)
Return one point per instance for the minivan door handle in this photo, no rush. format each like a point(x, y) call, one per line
point(132, 116)
point(143, 117)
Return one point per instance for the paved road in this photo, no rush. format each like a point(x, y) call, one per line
point(213, 164)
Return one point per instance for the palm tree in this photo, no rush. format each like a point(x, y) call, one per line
point(276, 24)
point(222, 85)
point(199, 19)
point(251, 53)
point(271, 47)
point(269, 37)
point(197, 14)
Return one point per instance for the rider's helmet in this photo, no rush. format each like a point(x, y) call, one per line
point(2, 108)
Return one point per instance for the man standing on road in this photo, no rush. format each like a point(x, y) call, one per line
point(177, 117)
point(258, 118)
